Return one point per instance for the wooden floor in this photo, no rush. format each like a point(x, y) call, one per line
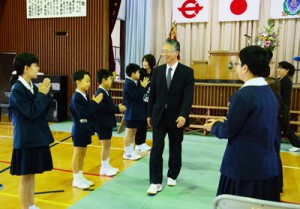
point(55, 187)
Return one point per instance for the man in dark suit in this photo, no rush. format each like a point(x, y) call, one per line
point(171, 97)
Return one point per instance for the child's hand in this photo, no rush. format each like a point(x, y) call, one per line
point(122, 108)
point(45, 86)
point(145, 82)
point(98, 98)
point(211, 122)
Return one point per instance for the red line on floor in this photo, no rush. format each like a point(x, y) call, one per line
point(59, 169)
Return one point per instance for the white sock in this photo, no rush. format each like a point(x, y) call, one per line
point(32, 207)
point(127, 150)
point(108, 162)
point(131, 147)
point(80, 174)
point(105, 163)
point(77, 176)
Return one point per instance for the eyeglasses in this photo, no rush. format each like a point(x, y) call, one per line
point(237, 64)
point(166, 51)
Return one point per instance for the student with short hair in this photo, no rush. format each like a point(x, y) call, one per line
point(285, 72)
point(104, 120)
point(82, 109)
point(135, 113)
point(250, 165)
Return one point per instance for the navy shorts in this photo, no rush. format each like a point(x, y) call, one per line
point(104, 133)
point(133, 123)
point(82, 141)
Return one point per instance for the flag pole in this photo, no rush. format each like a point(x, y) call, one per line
point(172, 35)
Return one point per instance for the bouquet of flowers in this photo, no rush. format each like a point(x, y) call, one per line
point(268, 38)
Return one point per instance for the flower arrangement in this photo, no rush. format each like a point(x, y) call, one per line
point(268, 38)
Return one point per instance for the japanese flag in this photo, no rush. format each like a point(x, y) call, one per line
point(237, 10)
point(185, 11)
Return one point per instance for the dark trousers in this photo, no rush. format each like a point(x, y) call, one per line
point(291, 136)
point(141, 133)
point(156, 161)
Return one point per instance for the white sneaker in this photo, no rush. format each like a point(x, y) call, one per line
point(107, 172)
point(33, 207)
point(115, 169)
point(142, 148)
point(87, 181)
point(171, 182)
point(79, 183)
point(131, 156)
point(294, 149)
point(154, 188)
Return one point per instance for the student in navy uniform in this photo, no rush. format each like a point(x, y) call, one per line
point(148, 62)
point(104, 120)
point(285, 72)
point(250, 165)
point(135, 112)
point(27, 107)
point(82, 109)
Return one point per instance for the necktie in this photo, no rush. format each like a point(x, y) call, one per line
point(169, 77)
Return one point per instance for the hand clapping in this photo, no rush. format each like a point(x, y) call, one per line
point(45, 86)
point(210, 123)
point(145, 82)
point(98, 98)
point(122, 108)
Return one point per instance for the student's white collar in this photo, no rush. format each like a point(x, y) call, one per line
point(83, 94)
point(260, 81)
point(27, 85)
point(101, 87)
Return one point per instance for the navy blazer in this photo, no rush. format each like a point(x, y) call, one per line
point(133, 100)
point(81, 111)
point(178, 99)
point(252, 130)
point(105, 114)
point(28, 113)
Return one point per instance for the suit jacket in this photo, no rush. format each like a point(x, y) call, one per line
point(286, 90)
point(81, 112)
point(105, 115)
point(28, 113)
point(133, 100)
point(178, 99)
point(252, 131)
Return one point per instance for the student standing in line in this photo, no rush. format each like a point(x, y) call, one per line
point(285, 71)
point(135, 113)
point(250, 164)
point(104, 120)
point(82, 109)
point(141, 134)
point(27, 107)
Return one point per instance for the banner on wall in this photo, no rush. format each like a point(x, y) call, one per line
point(187, 11)
point(55, 8)
point(282, 9)
point(238, 10)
